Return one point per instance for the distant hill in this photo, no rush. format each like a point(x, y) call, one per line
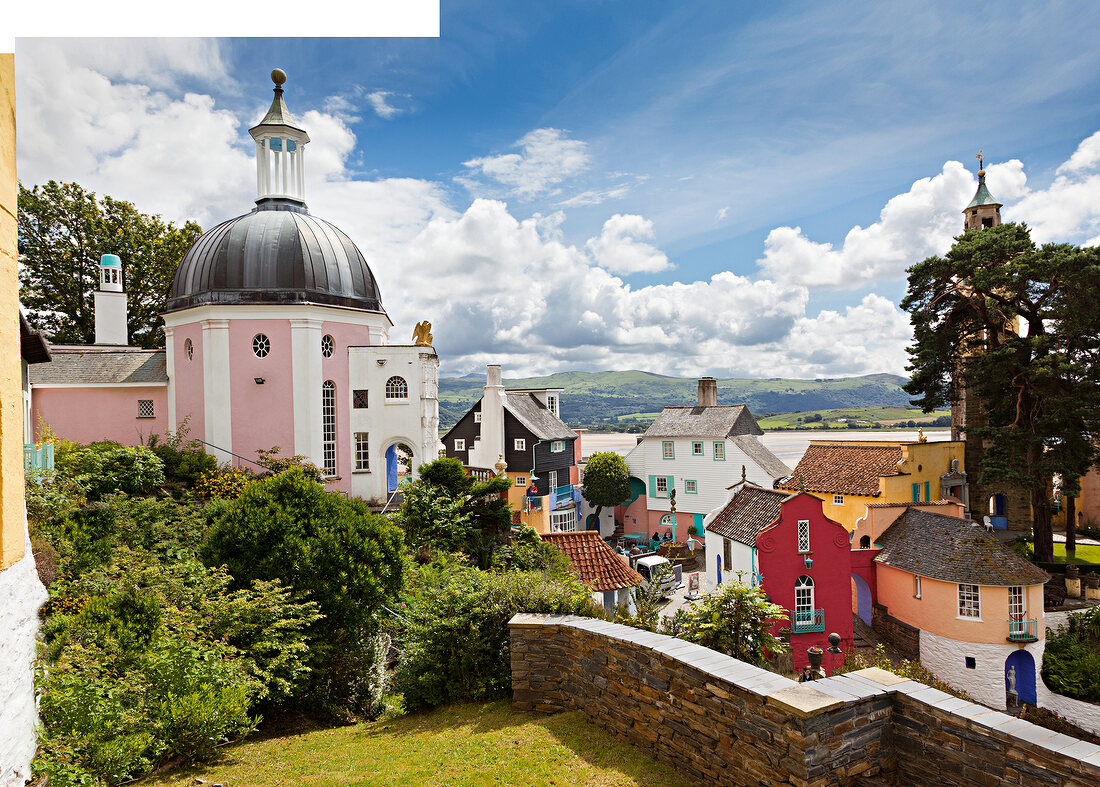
point(591, 399)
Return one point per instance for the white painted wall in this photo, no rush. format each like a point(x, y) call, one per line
point(986, 682)
point(110, 317)
point(712, 477)
point(413, 421)
point(306, 367)
point(743, 560)
point(217, 413)
point(21, 594)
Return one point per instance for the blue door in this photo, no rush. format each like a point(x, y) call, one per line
point(863, 598)
point(1024, 664)
point(391, 468)
point(719, 566)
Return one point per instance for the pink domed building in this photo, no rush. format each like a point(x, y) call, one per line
point(275, 335)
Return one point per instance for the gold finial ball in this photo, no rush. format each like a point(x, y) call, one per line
point(981, 173)
point(278, 76)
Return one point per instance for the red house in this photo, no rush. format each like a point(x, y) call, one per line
point(806, 562)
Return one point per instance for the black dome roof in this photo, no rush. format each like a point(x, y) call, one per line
point(277, 254)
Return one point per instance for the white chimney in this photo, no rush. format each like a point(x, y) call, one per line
point(110, 303)
point(708, 392)
point(488, 449)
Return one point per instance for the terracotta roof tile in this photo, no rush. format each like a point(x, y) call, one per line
point(838, 468)
point(747, 513)
point(953, 550)
point(594, 561)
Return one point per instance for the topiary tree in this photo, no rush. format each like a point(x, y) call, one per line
point(606, 481)
point(326, 548)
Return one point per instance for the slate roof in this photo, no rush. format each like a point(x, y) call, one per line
point(759, 453)
point(953, 550)
point(90, 365)
point(533, 414)
point(747, 513)
point(594, 561)
point(718, 421)
point(839, 468)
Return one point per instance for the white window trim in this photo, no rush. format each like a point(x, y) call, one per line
point(691, 486)
point(803, 536)
point(719, 452)
point(1023, 602)
point(460, 444)
point(567, 516)
point(696, 444)
point(388, 398)
point(477, 417)
point(557, 446)
point(959, 600)
point(521, 480)
point(519, 444)
point(362, 452)
point(668, 449)
point(657, 486)
point(838, 500)
point(329, 463)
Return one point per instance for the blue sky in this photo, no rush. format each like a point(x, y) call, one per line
point(723, 188)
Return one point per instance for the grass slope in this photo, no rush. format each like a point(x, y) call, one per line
point(477, 744)
point(595, 397)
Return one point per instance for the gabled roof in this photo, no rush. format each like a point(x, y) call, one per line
point(533, 414)
point(718, 421)
point(33, 347)
point(747, 513)
point(953, 550)
point(840, 468)
point(93, 366)
point(594, 561)
point(764, 458)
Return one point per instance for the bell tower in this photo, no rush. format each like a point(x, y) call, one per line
point(983, 211)
point(280, 151)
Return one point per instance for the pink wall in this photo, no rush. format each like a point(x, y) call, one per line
point(85, 415)
point(262, 415)
point(781, 564)
point(188, 378)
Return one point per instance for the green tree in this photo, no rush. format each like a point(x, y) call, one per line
point(735, 619)
point(63, 230)
point(606, 481)
point(1040, 387)
point(479, 508)
point(325, 548)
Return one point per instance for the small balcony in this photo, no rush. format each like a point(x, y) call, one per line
point(807, 621)
point(563, 497)
point(1023, 630)
point(532, 503)
point(37, 456)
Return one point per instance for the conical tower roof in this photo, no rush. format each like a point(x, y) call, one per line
point(278, 114)
point(982, 195)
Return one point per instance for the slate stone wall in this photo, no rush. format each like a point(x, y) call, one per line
point(904, 637)
point(722, 721)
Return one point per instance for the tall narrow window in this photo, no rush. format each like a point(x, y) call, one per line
point(328, 346)
point(1016, 607)
point(668, 449)
point(328, 426)
point(552, 403)
point(661, 485)
point(803, 535)
point(719, 452)
point(553, 476)
point(362, 451)
point(916, 586)
point(804, 601)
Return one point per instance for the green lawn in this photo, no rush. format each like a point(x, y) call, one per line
point(1086, 553)
point(477, 744)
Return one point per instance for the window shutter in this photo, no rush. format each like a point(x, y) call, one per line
point(916, 493)
point(671, 482)
point(653, 486)
point(927, 491)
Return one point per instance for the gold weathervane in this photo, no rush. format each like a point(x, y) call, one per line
point(422, 334)
point(981, 161)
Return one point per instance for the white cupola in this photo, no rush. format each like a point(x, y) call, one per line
point(280, 149)
point(110, 303)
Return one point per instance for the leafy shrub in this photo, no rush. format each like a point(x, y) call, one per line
point(108, 467)
point(184, 465)
point(1071, 660)
point(222, 483)
point(1024, 547)
point(914, 670)
point(454, 631)
point(50, 494)
point(323, 547)
point(527, 552)
point(735, 619)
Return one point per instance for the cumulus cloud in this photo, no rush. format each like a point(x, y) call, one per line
point(546, 158)
point(1068, 209)
point(914, 225)
point(621, 247)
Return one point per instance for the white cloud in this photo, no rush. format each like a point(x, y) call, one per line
point(1068, 209)
point(380, 104)
point(1085, 157)
point(547, 158)
point(595, 196)
point(721, 214)
point(914, 225)
point(621, 246)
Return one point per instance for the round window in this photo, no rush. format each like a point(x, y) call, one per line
point(189, 349)
point(327, 346)
point(261, 346)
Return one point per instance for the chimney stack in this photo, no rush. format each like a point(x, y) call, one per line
point(110, 303)
point(708, 392)
point(491, 443)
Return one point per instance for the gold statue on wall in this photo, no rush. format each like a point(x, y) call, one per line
point(422, 334)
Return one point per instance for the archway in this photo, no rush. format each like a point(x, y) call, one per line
point(863, 598)
point(1024, 664)
point(399, 464)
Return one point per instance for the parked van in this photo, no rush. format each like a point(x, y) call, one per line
point(657, 569)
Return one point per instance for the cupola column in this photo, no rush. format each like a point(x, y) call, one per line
point(280, 145)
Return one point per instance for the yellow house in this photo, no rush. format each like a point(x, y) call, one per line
point(21, 594)
point(852, 474)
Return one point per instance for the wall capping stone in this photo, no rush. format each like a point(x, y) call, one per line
point(718, 720)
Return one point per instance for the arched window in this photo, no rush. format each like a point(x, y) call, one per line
point(328, 346)
point(328, 426)
point(667, 520)
point(189, 348)
point(864, 542)
point(397, 388)
point(804, 601)
point(261, 345)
